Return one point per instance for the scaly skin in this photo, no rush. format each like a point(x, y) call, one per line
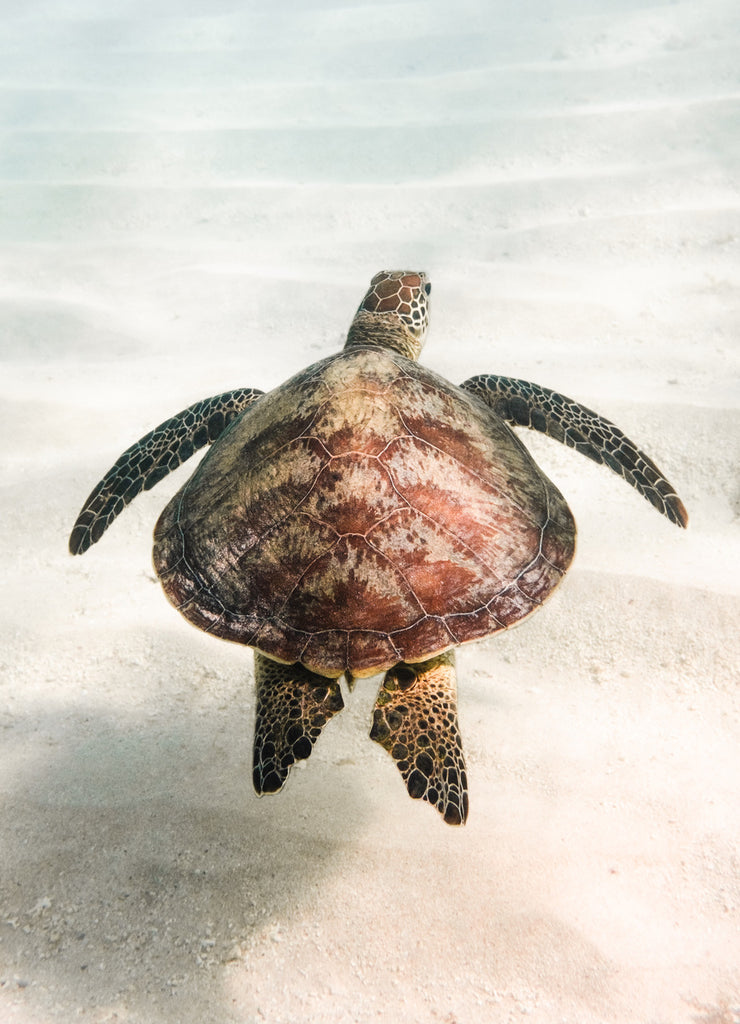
point(415, 720)
point(155, 455)
point(523, 404)
point(293, 706)
point(366, 516)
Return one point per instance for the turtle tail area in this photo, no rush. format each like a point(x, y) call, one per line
point(293, 706)
point(415, 720)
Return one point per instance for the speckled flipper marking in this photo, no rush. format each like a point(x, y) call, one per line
point(415, 720)
point(522, 403)
point(155, 455)
point(293, 706)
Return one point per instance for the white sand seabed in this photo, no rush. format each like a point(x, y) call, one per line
point(194, 200)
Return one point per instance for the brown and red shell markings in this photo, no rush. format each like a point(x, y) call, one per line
point(364, 513)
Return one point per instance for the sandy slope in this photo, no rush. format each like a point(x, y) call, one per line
point(195, 201)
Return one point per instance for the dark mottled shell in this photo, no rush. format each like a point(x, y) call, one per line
point(364, 513)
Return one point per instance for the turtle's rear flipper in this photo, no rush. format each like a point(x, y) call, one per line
point(524, 404)
point(152, 457)
point(293, 706)
point(415, 720)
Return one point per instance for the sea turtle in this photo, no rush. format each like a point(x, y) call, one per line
point(366, 516)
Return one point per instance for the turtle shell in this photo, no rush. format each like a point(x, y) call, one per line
point(366, 512)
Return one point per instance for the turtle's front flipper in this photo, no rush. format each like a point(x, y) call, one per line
point(415, 720)
point(528, 405)
point(293, 706)
point(154, 456)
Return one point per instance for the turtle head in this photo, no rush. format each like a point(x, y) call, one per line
point(394, 313)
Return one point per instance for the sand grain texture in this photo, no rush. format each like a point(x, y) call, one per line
point(194, 200)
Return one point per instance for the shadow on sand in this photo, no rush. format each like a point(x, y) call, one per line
point(137, 861)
